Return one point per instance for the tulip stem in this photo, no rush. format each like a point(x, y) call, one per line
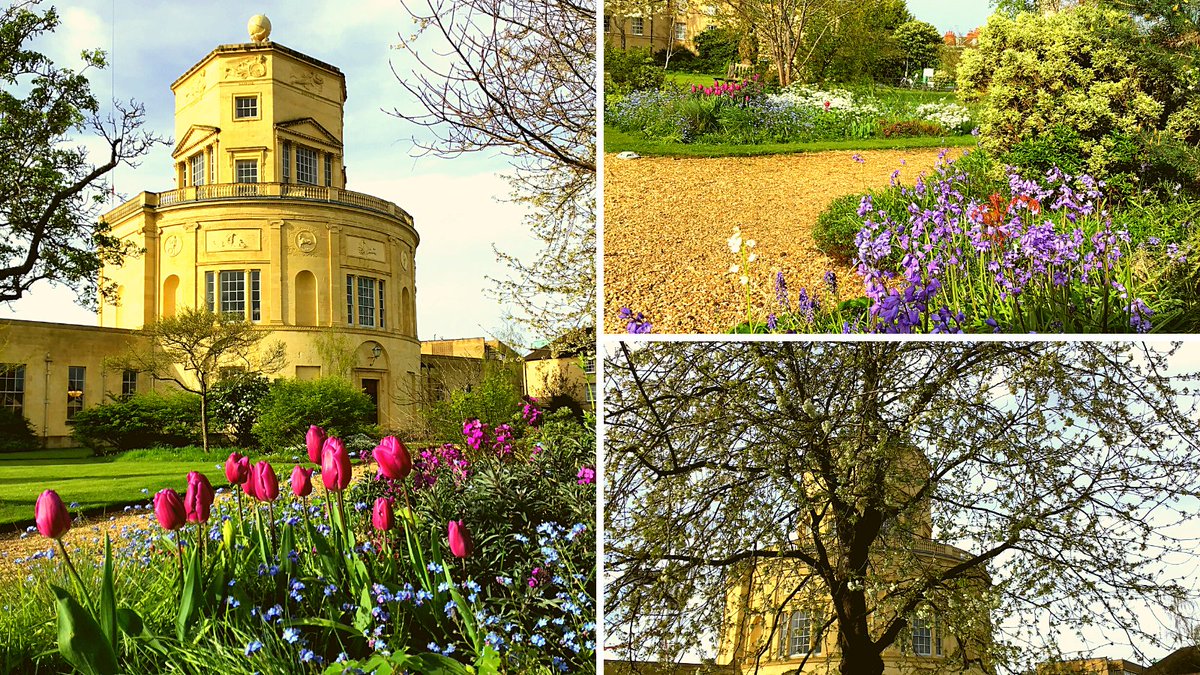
point(74, 573)
point(271, 514)
point(179, 542)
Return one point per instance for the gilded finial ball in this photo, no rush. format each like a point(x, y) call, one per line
point(259, 27)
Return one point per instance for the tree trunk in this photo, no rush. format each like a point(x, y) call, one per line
point(860, 656)
point(204, 414)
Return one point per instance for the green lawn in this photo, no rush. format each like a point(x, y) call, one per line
point(686, 80)
point(98, 484)
point(619, 141)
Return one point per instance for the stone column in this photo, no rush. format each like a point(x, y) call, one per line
point(275, 283)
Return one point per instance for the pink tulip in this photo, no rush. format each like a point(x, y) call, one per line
point(382, 516)
point(335, 465)
point(237, 468)
point(301, 481)
point(168, 508)
point(393, 458)
point(248, 487)
point(315, 439)
point(51, 515)
point(197, 501)
point(460, 539)
point(266, 484)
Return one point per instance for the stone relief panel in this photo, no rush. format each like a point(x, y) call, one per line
point(247, 68)
point(309, 80)
point(369, 249)
point(304, 242)
point(232, 240)
point(173, 245)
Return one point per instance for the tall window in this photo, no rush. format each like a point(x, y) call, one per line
point(234, 292)
point(637, 25)
point(680, 32)
point(364, 301)
point(306, 165)
point(128, 383)
point(245, 107)
point(607, 23)
point(12, 386)
point(197, 167)
point(328, 169)
point(75, 376)
point(247, 170)
point(925, 642)
point(798, 634)
point(589, 365)
point(287, 161)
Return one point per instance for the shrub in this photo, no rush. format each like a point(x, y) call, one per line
point(16, 433)
point(491, 401)
point(1061, 146)
point(631, 69)
point(837, 226)
point(1075, 69)
point(234, 403)
point(716, 48)
point(140, 421)
point(330, 403)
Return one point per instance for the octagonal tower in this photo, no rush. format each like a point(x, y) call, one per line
point(260, 223)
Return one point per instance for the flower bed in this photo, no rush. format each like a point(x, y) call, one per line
point(1035, 255)
point(741, 113)
point(473, 559)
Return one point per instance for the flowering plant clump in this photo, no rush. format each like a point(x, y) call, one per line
point(636, 323)
point(1045, 256)
point(420, 579)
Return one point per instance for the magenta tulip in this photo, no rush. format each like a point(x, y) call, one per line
point(335, 465)
point(248, 486)
point(51, 515)
point(237, 468)
point(197, 501)
point(168, 508)
point(315, 439)
point(382, 516)
point(266, 484)
point(301, 481)
point(393, 458)
point(460, 539)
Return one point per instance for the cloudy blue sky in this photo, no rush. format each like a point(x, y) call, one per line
point(456, 203)
point(959, 16)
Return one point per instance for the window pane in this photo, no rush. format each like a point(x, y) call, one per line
point(210, 291)
point(245, 106)
point(328, 169)
point(287, 160)
point(366, 301)
point(197, 168)
point(350, 299)
point(233, 292)
point(128, 383)
point(247, 171)
point(75, 376)
point(382, 305)
point(922, 637)
point(12, 387)
point(255, 296)
point(306, 165)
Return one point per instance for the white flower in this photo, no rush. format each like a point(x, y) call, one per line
point(733, 269)
point(744, 280)
point(750, 243)
point(752, 257)
point(735, 242)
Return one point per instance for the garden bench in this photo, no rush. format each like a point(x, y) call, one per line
point(737, 72)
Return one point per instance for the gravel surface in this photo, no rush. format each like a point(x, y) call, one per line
point(667, 220)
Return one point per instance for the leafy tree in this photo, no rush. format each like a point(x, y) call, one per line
point(863, 46)
point(333, 404)
point(1058, 470)
point(193, 347)
point(919, 41)
point(50, 193)
point(235, 403)
point(519, 76)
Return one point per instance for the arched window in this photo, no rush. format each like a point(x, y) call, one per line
point(169, 297)
point(306, 299)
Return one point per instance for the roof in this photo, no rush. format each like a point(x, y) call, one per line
point(577, 342)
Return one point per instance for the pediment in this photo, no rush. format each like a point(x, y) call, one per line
point(195, 135)
point(307, 127)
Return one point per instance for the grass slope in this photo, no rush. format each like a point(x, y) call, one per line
point(619, 141)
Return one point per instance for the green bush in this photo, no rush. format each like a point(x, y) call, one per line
point(631, 69)
point(1074, 69)
point(1060, 147)
point(492, 402)
point(234, 402)
point(837, 226)
point(716, 48)
point(291, 406)
point(140, 421)
point(15, 432)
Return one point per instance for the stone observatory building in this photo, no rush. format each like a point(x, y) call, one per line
point(260, 225)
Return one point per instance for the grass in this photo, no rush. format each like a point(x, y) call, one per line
point(98, 484)
point(619, 141)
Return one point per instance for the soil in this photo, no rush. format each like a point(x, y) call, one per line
point(667, 221)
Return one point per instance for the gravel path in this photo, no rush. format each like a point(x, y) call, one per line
point(666, 222)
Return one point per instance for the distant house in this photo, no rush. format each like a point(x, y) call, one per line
point(672, 24)
point(564, 369)
point(461, 364)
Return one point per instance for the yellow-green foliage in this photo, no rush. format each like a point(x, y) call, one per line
point(1075, 69)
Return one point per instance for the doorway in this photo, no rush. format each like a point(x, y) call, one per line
point(371, 388)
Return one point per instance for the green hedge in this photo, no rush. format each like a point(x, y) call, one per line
point(141, 421)
point(291, 406)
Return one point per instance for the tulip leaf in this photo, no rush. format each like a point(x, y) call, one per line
point(435, 664)
point(108, 597)
point(286, 545)
point(488, 661)
point(191, 595)
point(130, 622)
point(325, 553)
point(80, 640)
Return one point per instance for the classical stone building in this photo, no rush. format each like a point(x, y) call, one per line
point(260, 225)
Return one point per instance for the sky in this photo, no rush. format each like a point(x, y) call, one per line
point(457, 204)
point(960, 16)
